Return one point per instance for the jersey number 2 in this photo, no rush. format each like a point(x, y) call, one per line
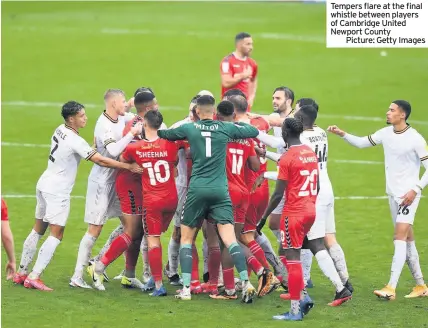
point(54, 149)
point(237, 160)
point(155, 173)
point(310, 185)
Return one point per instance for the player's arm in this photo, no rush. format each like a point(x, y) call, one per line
point(271, 141)
point(228, 80)
point(273, 156)
point(253, 161)
point(270, 175)
point(174, 134)
point(252, 86)
point(8, 244)
point(359, 142)
point(241, 130)
point(111, 163)
point(113, 147)
point(276, 197)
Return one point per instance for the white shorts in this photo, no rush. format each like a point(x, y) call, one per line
point(52, 209)
point(402, 214)
point(324, 213)
point(102, 203)
point(280, 207)
point(181, 193)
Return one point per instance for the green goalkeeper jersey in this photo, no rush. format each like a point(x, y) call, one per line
point(208, 143)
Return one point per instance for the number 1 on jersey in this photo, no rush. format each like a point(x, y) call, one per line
point(207, 136)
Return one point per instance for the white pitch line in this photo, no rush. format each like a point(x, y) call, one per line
point(176, 108)
point(336, 198)
point(17, 144)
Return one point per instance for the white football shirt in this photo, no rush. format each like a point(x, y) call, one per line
point(67, 148)
point(404, 150)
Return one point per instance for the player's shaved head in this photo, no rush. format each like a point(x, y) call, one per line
point(225, 111)
point(306, 102)
point(241, 36)
point(112, 93)
point(307, 115)
point(291, 129)
point(144, 100)
point(153, 119)
point(143, 89)
point(71, 108)
point(205, 106)
point(233, 92)
point(239, 103)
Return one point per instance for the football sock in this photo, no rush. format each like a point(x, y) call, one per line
point(327, 267)
point(155, 260)
point(144, 254)
point(117, 247)
point(214, 259)
point(238, 258)
point(271, 257)
point(397, 262)
point(258, 253)
point(295, 278)
point(84, 253)
point(46, 252)
point(412, 259)
point(173, 250)
point(338, 257)
point(186, 260)
point(205, 251)
point(131, 258)
point(306, 260)
point(116, 232)
point(28, 251)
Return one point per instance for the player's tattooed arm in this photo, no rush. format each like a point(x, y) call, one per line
point(276, 197)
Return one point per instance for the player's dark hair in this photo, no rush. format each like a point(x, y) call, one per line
point(234, 92)
point(195, 98)
point(291, 128)
point(205, 100)
point(404, 106)
point(143, 89)
point(240, 104)
point(307, 115)
point(289, 94)
point(225, 108)
point(143, 98)
point(71, 108)
point(241, 36)
point(154, 119)
point(307, 102)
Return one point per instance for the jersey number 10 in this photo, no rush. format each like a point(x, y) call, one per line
point(155, 172)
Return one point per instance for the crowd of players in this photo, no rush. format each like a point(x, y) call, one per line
point(146, 175)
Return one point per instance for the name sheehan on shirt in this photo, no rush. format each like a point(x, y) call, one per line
point(152, 154)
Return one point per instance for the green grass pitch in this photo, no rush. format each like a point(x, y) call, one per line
point(54, 52)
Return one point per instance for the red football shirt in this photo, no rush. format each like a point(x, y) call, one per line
point(4, 216)
point(299, 166)
point(230, 65)
point(158, 159)
point(238, 152)
point(251, 176)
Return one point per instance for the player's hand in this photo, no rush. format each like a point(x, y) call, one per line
point(257, 183)
point(135, 168)
point(334, 129)
point(252, 115)
point(260, 151)
point(408, 198)
point(248, 72)
point(130, 104)
point(10, 270)
point(261, 225)
point(136, 130)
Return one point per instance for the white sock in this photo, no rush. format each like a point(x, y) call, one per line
point(205, 254)
point(327, 267)
point(45, 256)
point(397, 262)
point(144, 249)
point(338, 256)
point(220, 277)
point(84, 254)
point(412, 259)
point(273, 260)
point(116, 232)
point(173, 252)
point(277, 234)
point(28, 251)
point(306, 258)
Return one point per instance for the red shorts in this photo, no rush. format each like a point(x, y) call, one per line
point(259, 201)
point(294, 229)
point(157, 215)
point(129, 192)
point(240, 200)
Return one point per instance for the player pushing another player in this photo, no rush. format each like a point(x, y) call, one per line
point(208, 195)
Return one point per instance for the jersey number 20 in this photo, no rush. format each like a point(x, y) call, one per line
point(155, 172)
point(310, 185)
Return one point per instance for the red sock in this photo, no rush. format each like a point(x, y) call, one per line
point(131, 255)
point(295, 278)
point(195, 264)
point(283, 259)
point(155, 262)
point(117, 247)
point(228, 278)
point(255, 265)
point(214, 261)
point(258, 253)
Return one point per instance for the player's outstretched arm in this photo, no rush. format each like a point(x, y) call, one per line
point(111, 163)
point(276, 197)
point(8, 244)
point(253, 163)
point(241, 130)
point(271, 141)
point(116, 148)
point(174, 134)
point(273, 156)
point(359, 142)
